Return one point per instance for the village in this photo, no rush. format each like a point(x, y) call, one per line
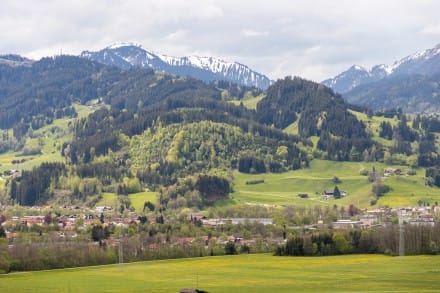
point(80, 221)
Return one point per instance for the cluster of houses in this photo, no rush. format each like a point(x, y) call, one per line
point(82, 218)
point(76, 218)
point(421, 216)
point(200, 218)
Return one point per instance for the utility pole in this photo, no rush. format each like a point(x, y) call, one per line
point(121, 254)
point(401, 235)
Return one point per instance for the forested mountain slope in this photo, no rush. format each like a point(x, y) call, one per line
point(320, 112)
point(152, 130)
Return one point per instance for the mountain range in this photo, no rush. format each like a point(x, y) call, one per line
point(411, 83)
point(203, 68)
point(164, 127)
point(15, 60)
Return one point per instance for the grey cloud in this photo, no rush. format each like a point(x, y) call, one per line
point(313, 39)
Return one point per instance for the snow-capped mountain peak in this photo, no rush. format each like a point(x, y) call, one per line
point(426, 62)
point(123, 44)
point(357, 67)
point(350, 78)
point(407, 63)
point(126, 55)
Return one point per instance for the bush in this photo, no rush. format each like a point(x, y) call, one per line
point(132, 185)
point(252, 182)
point(230, 248)
point(31, 152)
point(380, 190)
point(245, 249)
point(411, 172)
point(363, 172)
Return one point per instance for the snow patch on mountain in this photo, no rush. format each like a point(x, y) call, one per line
point(127, 55)
point(426, 62)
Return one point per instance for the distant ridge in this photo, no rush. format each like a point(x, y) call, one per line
point(426, 63)
point(411, 84)
point(127, 55)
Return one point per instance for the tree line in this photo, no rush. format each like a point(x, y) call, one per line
point(417, 240)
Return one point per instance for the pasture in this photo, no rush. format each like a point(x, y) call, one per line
point(108, 199)
point(283, 188)
point(243, 273)
point(249, 101)
point(138, 199)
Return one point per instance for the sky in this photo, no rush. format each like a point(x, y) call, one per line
point(314, 39)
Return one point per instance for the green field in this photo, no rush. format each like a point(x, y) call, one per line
point(138, 199)
point(249, 102)
point(243, 273)
point(373, 126)
point(282, 189)
point(108, 199)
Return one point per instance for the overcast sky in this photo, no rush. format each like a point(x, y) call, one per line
point(314, 39)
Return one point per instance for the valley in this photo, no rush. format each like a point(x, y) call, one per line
point(98, 158)
point(219, 146)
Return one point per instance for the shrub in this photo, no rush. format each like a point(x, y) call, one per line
point(363, 172)
point(31, 152)
point(252, 182)
point(411, 172)
point(230, 248)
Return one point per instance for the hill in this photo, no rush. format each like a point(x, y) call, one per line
point(45, 90)
point(136, 129)
point(352, 177)
point(319, 111)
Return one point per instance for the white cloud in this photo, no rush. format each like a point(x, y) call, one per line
point(316, 39)
point(432, 29)
point(176, 36)
point(251, 33)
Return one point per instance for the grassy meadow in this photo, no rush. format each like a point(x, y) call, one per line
point(138, 199)
point(249, 102)
point(108, 199)
point(282, 189)
point(243, 273)
point(48, 139)
point(373, 126)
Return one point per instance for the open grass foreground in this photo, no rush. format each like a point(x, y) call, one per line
point(243, 273)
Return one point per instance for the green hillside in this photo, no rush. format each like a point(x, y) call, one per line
point(151, 131)
point(283, 189)
point(249, 102)
point(47, 140)
point(203, 147)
